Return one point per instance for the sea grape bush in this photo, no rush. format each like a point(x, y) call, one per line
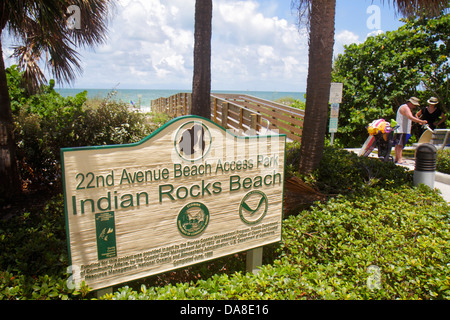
point(402, 231)
point(343, 172)
point(443, 161)
point(385, 70)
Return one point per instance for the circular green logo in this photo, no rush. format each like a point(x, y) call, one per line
point(193, 219)
point(253, 207)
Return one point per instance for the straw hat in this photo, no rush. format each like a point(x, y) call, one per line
point(433, 100)
point(415, 101)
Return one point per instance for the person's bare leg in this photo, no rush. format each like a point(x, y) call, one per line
point(398, 153)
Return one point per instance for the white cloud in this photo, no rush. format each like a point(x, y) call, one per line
point(7, 52)
point(343, 38)
point(346, 37)
point(262, 52)
point(374, 33)
point(150, 45)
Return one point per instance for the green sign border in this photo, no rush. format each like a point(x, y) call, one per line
point(149, 137)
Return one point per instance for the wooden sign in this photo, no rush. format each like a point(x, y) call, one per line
point(336, 89)
point(189, 192)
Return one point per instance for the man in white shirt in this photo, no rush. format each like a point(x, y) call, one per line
point(404, 121)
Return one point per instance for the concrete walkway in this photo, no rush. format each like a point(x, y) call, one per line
point(444, 188)
point(441, 180)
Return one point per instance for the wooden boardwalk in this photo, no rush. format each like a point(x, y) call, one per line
point(243, 114)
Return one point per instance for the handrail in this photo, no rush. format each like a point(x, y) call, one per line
point(282, 118)
point(243, 114)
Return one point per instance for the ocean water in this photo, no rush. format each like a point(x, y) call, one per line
point(133, 96)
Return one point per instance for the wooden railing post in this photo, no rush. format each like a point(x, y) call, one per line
point(256, 120)
point(224, 115)
point(241, 119)
point(215, 110)
point(188, 102)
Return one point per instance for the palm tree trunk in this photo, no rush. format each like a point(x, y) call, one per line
point(321, 42)
point(9, 174)
point(201, 84)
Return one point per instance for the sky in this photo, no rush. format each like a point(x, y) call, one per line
point(257, 45)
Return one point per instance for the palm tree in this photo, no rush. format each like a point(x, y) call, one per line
point(320, 16)
point(201, 84)
point(52, 30)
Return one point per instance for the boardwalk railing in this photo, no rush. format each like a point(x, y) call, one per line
point(175, 106)
point(242, 113)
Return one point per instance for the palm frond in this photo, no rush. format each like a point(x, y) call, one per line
point(91, 32)
point(45, 38)
point(303, 10)
point(28, 60)
point(429, 8)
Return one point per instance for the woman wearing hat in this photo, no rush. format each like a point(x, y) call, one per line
point(432, 114)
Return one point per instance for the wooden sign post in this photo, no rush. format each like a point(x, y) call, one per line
point(188, 193)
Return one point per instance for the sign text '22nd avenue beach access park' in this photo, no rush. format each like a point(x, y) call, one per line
point(189, 192)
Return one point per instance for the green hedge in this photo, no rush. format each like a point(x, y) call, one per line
point(40, 136)
point(343, 172)
point(47, 121)
point(33, 255)
point(443, 161)
point(404, 232)
point(379, 219)
point(327, 253)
